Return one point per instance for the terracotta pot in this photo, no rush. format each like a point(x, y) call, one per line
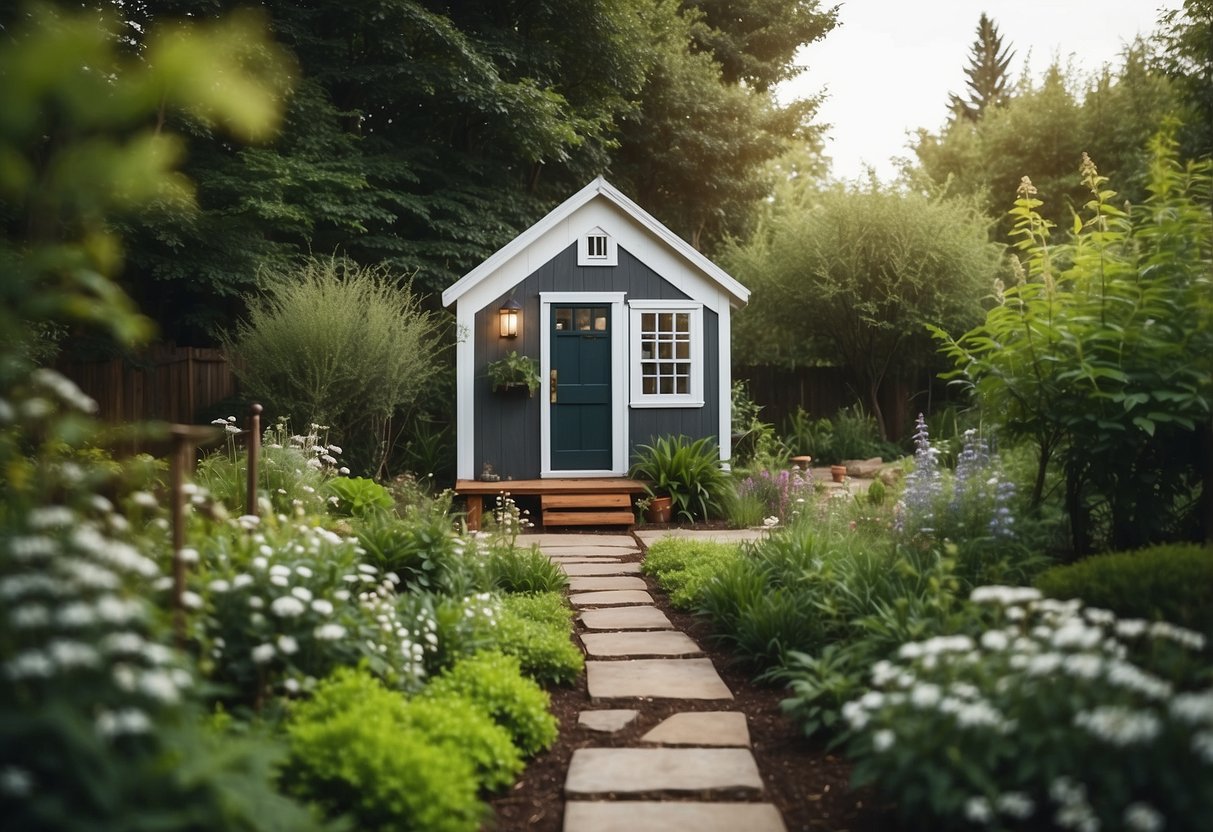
point(659, 510)
point(838, 472)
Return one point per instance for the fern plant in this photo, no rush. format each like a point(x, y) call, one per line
point(687, 471)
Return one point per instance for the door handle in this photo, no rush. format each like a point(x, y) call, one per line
point(552, 379)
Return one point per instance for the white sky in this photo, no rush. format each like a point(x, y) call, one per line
point(890, 64)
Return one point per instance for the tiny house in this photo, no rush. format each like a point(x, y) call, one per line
point(628, 327)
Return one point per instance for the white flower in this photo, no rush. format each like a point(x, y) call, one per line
point(303, 572)
point(302, 593)
point(1194, 707)
point(1180, 635)
point(262, 653)
point(288, 645)
point(1117, 725)
point(883, 740)
point(291, 685)
point(242, 580)
point(1142, 817)
point(322, 606)
point(287, 606)
point(343, 471)
point(219, 585)
point(15, 782)
point(329, 632)
point(925, 695)
point(116, 723)
point(994, 640)
point(279, 580)
point(1130, 627)
point(1015, 804)
point(977, 810)
point(160, 686)
point(49, 517)
point(1004, 595)
point(191, 600)
point(29, 548)
point(1083, 665)
point(1202, 746)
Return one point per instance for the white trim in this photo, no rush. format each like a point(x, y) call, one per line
point(609, 257)
point(725, 374)
point(465, 392)
point(619, 409)
point(556, 223)
point(640, 399)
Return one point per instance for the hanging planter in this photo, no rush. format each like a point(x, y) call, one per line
point(514, 372)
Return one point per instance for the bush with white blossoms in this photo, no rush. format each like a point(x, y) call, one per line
point(1056, 716)
point(284, 604)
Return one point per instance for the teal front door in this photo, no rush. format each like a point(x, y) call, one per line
point(580, 394)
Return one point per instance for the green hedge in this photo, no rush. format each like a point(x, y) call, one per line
point(1171, 582)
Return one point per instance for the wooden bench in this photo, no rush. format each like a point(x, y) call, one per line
point(588, 501)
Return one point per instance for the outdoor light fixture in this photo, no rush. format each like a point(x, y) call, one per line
point(509, 315)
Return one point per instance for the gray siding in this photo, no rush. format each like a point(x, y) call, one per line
point(507, 424)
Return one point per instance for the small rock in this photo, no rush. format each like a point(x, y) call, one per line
point(863, 468)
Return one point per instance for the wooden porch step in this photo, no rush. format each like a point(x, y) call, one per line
point(585, 501)
point(620, 517)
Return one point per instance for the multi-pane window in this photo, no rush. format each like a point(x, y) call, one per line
point(596, 245)
point(667, 366)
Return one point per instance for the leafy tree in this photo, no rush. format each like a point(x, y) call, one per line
point(989, 83)
point(1043, 128)
point(755, 41)
point(1185, 40)
point(1101, 354)
point(851, 277)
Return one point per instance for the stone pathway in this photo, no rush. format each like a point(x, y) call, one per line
point(693, 770)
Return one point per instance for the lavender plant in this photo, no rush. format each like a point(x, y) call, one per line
point(780, 494)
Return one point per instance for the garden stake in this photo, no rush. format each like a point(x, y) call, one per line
point(254, 450)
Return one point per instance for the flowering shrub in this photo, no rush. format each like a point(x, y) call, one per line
point(284, 605)
point(780, 494)
point(969, 509)
point(1002, 729)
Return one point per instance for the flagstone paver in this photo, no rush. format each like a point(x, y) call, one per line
point(626, 618)
point(643, 771)
point(650, 536)
point(585, 540)
point(571, 560)
point(673, 816)
point(555, 552)
point(607, 720)
point(655, 678)
point(637, 644)
point(721, 728)
point(599, 584)
point(610, 598)
point(582, 569)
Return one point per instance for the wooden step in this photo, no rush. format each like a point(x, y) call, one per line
point(588, 518)
point(585, 501)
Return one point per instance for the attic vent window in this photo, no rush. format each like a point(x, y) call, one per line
point(597, 248)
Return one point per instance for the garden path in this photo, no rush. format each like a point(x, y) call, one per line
point(693, 769)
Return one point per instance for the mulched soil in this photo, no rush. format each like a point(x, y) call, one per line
point(809, 785)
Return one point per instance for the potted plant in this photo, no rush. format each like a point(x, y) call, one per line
point(656, 508)
point(513, 372)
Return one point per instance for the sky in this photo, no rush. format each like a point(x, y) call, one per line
point(890, 64)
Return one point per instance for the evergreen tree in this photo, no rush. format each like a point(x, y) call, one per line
point(987, 74)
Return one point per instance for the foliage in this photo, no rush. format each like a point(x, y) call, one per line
point(462, 729)
point(780, 494)
point(1002, 729)
point(687, 471)
point(355, 749)
point(683, 567)
point(1100, 354)
point(283, 606)
point(421, 550)
point(850, 276)
point(494, 683)
point(1185, 41)
point(335, 343)
point(523, 570)
point(514, 370)
point(754, 441)
point(851, 433)
point(447, 627)
point(1043, 128)
point(1168, 583)
point(987, 73)
point(357, 497)
point(535, 628)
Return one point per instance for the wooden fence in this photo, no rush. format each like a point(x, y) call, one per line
point(165, 383)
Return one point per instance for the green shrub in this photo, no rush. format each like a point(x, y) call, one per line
point(339, 344)
point(355, 751)
point(517, 569)
point(464, 730)
point(1169, 583)
point(423, 551)
point(1049, 716)
point(494, 682)
point(687, 471)
point(683, 567)
point(536, 629)
point(357, 497)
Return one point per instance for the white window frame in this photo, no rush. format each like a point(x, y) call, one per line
point(584, 258)
point(638, 397)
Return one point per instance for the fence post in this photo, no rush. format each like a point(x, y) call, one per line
point(254, 451)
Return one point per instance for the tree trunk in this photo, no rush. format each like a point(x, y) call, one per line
point(1080, 525)
point(877, 413)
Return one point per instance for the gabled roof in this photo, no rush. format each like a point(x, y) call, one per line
point(598, 189)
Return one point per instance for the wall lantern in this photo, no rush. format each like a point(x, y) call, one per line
point(509, 316)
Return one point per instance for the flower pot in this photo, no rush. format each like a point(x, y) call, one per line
point(838, 472)
point(660, 510)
